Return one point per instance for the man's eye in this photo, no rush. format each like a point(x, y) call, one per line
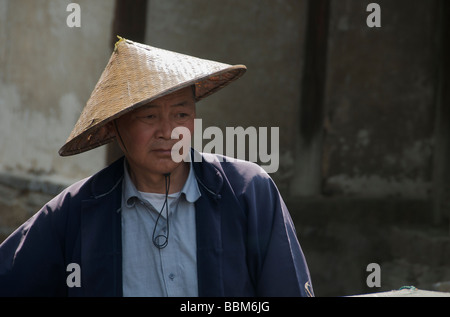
point(182, 115)
point(149, 116)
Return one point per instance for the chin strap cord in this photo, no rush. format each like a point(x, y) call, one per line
point(164, 236)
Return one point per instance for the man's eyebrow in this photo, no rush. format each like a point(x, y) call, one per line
point(178, 104)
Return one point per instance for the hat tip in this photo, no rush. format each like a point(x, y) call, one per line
point(121, 39)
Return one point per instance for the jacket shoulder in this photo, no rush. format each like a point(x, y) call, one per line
point(246, 168)
point(240, 174)
point(92, 186)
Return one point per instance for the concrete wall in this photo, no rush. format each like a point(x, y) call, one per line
point(380, 100)
point(48, 71)
point(377, 153)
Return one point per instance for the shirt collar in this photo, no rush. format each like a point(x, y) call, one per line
point(190, 188)
point(130, 193)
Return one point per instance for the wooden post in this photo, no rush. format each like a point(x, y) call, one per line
point(309, 149)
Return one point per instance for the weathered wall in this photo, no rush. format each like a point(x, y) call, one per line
point(377, 153)
point(48, 71)
point(380, 100)
point(341, 236)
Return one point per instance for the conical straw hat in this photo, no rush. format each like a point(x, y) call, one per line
point(135, 75)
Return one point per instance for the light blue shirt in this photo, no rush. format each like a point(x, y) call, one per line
point(147, 270)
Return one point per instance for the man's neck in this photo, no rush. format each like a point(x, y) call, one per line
point(156, 183)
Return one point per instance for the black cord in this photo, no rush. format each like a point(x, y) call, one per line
point(165, 237)
point(120, 137)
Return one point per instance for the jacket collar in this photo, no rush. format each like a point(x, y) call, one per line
point(107, 179)
point(208, 172)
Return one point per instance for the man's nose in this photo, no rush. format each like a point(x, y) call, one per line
point(165, 128)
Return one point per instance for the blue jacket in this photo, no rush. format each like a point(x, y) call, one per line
point(246, 241)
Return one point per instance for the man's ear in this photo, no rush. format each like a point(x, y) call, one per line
point(113, 130)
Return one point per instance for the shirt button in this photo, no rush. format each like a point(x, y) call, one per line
point(171, 276)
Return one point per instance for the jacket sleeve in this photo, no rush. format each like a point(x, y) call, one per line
point(31, 258)
point(278, 260)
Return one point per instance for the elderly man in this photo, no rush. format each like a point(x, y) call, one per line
point(148, 225)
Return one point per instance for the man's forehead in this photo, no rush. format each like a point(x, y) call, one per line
point(181, 97)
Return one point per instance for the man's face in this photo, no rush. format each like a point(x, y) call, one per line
point(146, 131)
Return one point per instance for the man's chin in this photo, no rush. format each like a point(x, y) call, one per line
point(165, 166)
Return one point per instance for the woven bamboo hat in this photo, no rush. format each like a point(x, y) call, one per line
point(135, 75)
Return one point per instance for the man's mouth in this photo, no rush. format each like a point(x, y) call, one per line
point(162, 150)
